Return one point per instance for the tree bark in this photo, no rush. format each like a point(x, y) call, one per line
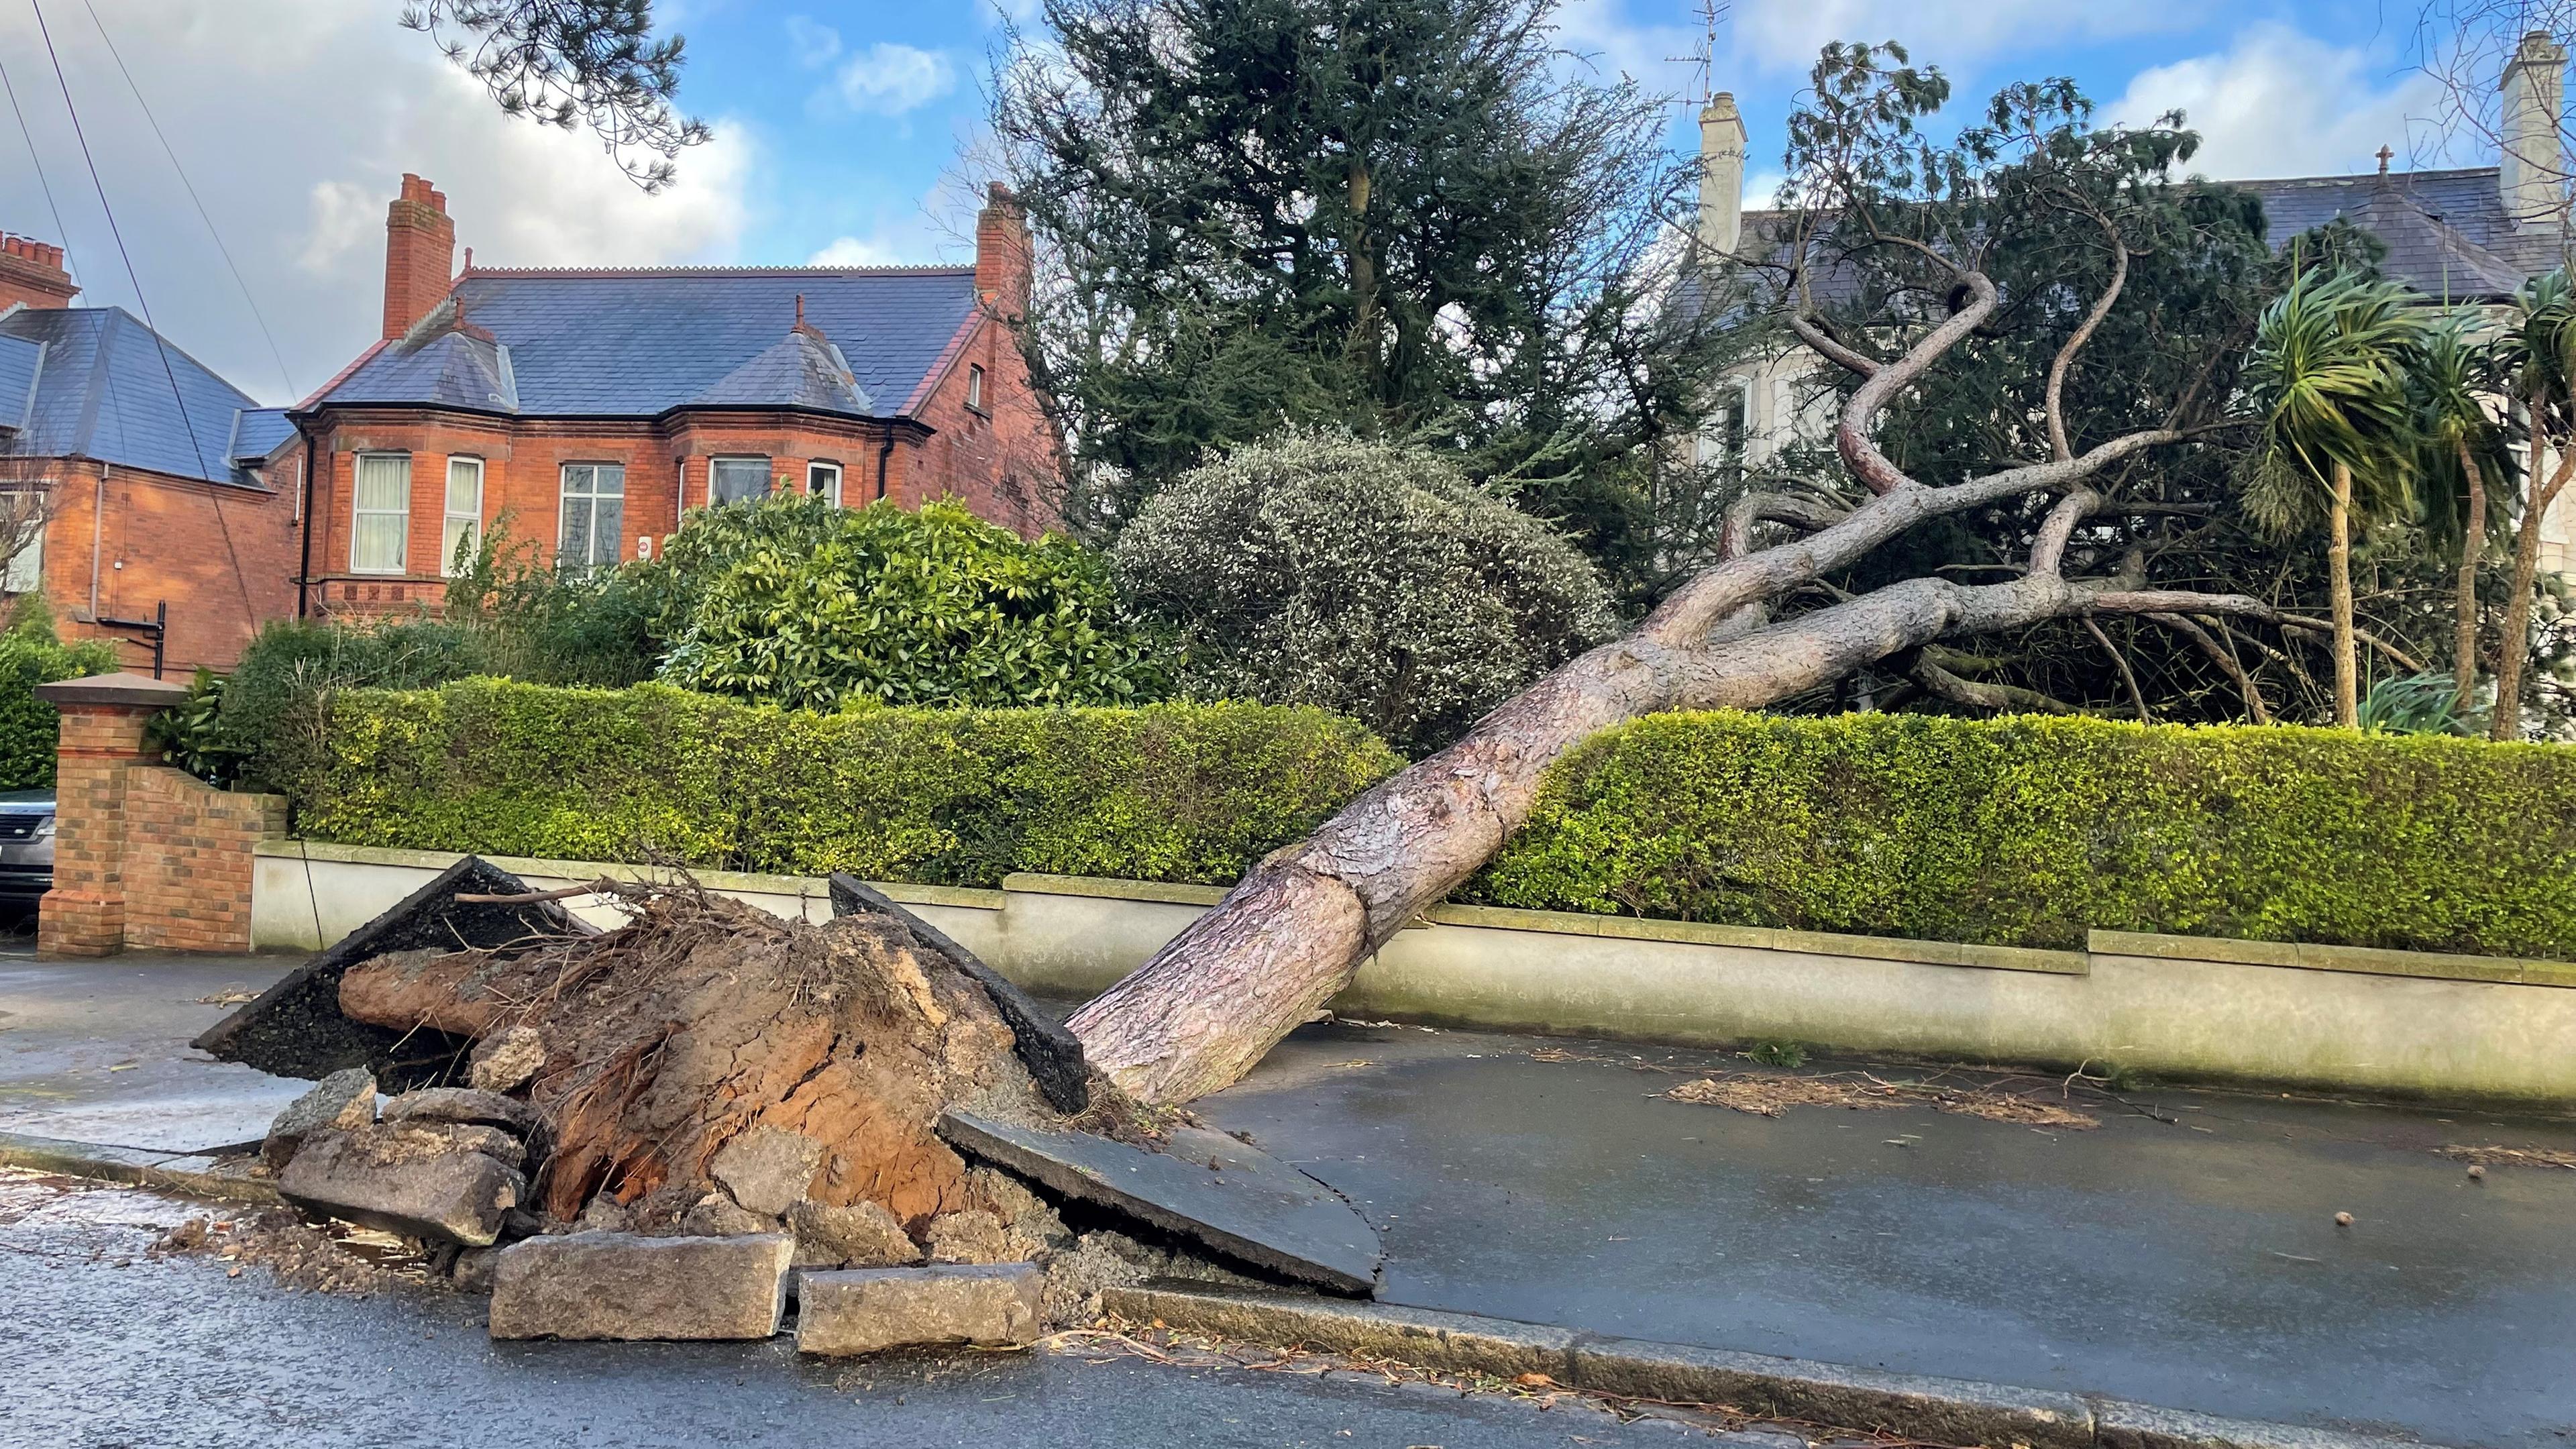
point(2347, 661)
point(2464, 644)
point(2515, 645)
point(1285, 940)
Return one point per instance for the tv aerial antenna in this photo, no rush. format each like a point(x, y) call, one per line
point(1712, 14)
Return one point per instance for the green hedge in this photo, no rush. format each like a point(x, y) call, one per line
point(30, 729)
point(940, 797)
point(2030, 831)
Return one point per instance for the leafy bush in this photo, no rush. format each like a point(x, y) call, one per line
point(1369, 579)
point(881, 604)
point(2031, 831)
point(32, 654)
point(960, 797)
point(273, 702)
point(552, 626)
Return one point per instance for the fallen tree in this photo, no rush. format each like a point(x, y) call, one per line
point(1741, 633)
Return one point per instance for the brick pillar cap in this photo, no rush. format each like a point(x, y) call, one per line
point(134, 691)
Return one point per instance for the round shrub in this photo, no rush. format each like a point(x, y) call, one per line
point(935, 607)
point(1369, 579)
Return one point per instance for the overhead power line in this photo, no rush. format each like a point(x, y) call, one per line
point(149, 119)
point(160, 344)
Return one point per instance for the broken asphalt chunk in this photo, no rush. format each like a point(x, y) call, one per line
point(1052, 1054)
point(1249, 1206)
point(431, 1183)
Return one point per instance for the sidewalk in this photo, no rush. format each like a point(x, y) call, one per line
point(2189, 1258)
point(2194, 1263)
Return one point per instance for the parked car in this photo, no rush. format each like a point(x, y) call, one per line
point(26, 845)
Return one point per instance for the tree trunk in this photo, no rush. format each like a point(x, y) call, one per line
point(2347, 663)
point(1285, 941)
point(2464, 649)
point(2515, 645)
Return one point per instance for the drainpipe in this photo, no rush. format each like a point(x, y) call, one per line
point(304, 565)
point(97, 534)
point(885, 450)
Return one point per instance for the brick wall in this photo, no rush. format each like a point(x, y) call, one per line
point(145, 856)
point(223, 557)
point(188, 860)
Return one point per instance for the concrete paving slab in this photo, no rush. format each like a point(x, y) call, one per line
point(1246, 1206)
point(97, 1051)
point(2188, 1258)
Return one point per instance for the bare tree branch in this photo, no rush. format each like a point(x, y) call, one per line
point(2225, 659)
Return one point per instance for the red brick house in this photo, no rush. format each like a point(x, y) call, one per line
point(149, 477)
point(586, 409)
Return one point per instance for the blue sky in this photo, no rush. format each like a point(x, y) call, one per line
point(845, 130)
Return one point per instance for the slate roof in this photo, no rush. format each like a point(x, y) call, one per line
point(21, 359)
point(256, 434)
point(104, 392)
point(2447, 232)
point(588, 343)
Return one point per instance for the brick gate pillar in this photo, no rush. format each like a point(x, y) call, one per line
point(102, 744)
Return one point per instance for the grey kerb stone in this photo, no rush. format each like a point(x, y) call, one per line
point(867, 1310)
point(627, 1286)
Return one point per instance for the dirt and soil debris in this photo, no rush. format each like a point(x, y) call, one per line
point(324, 1258)
point(1771, 1092)
point(2509, 1156)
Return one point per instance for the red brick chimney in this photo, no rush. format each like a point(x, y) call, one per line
point(32, 272)
point(1002, 252)
point(420, 254)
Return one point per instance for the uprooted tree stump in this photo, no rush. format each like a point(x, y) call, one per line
point(704, 1021)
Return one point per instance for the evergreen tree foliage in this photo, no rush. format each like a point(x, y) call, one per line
point(1418, 220)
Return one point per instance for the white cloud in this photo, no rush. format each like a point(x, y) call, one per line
point(814, 42)
point(2280, 103)
point(295, 120)
point(889, 79)
point(851, 251)
point(1950, 33)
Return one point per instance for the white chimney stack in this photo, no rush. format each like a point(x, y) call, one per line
point(1721, 173)
point(2531, 175)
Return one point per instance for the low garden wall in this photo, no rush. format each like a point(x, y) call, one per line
point(2338, 1019)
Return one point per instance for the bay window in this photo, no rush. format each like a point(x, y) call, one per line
point(380, 519)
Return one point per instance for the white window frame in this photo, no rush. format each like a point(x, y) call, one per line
point(816, 474)
point(359, 513)
point(768, 484)
point(975, 386)
point(613, 539)
point(460, 522)
point(25, 572)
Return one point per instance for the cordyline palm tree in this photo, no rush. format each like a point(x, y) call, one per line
point(2326, 376)
point(2465, 463)
point(2538, 362)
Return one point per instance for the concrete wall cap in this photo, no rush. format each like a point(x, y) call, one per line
point(135, 691)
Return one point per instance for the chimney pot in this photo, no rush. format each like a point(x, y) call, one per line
point(32, 272)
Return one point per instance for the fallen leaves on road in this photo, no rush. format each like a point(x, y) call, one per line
point(2510, 1156)
point(1769, 1095)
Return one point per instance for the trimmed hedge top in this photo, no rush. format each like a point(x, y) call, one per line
point(2029, 831)
point(935, 796)
point(2010, 832)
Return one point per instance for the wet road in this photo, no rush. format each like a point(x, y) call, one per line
point(2193, 1263)
point(104, 1348)
point(97, 1051)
